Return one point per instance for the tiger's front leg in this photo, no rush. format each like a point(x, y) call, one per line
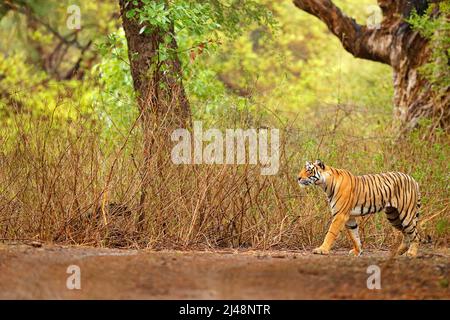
point(352, 230)
point(335, 228)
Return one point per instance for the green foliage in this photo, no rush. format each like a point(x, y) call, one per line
point(115, 94)
point(443, 226)
point(29, 91)
point(28, 43)
point(196, 25)
point(296, 72)
point(435, 28)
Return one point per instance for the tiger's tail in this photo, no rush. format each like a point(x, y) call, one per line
point(424, 239)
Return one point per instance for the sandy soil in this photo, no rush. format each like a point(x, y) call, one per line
point(27, 272)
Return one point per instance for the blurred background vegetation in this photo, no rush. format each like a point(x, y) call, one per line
point(68, 134)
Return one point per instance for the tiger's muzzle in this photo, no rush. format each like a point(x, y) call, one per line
point(304, 182)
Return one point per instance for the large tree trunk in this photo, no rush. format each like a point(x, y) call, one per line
point(393, 43)
point(160, 93)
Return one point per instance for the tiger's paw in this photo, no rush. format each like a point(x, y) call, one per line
point(355, 253)
point(412, 251)
point(402, 249)
point(321, 250)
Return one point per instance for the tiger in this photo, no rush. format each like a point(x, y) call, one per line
point(350, 196)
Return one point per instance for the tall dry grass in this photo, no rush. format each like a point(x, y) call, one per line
point(61, 181)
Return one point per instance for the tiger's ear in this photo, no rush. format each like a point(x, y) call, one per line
point(320, 164)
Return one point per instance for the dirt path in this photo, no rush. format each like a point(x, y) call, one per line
point(40, 273)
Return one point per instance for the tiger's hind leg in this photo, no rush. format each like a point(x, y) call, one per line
point(408, 226)
point(404, 246)
point(412, 234)
point(394, 218)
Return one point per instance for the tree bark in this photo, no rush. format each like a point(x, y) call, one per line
point(394, 43)
point(160, 93)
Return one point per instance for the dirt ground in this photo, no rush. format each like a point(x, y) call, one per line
point(27, 272)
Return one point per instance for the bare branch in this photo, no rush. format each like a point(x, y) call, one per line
point(360, 41)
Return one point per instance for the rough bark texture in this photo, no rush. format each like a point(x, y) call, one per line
point(160, 95)
point(393, 43)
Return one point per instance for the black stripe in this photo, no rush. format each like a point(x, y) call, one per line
point(369, 180)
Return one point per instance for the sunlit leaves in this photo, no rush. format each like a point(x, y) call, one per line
point(435, 28)
point(115, 103)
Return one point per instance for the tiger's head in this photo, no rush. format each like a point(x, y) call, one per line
point(311, 174)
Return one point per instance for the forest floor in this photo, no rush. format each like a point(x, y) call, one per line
point(28, 272)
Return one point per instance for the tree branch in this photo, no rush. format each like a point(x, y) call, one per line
point(360, 41)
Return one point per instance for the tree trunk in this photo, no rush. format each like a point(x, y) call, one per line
point(393, 42)
point(160, 93)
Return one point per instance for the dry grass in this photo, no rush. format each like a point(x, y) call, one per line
point(62, 182)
